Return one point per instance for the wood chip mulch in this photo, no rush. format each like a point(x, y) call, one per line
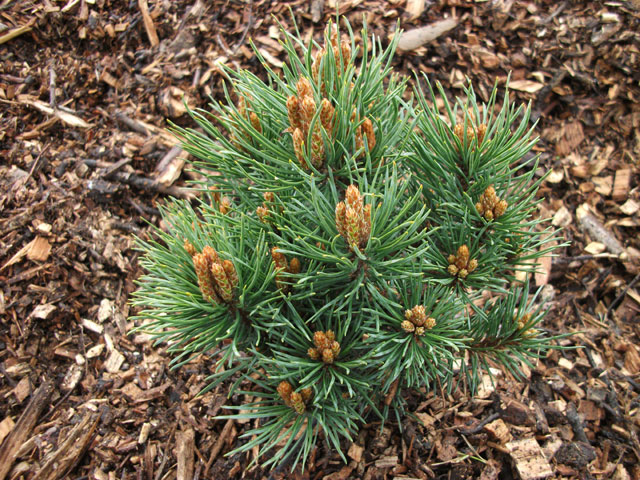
point(86, 87)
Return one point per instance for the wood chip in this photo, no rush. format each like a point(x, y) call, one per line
point(596, 230)
point(562, 217)
point(170, 167)
point(595, 248)
point(343, 474)
point(22, 389)
point(529, 460)
point(418, 37)
point(387, 461)
point(317, 7)
point(72, 378)
point(572, 137)
point(70, 450)
point(148, 23)
point(184, 453)
point(499, 430)
point(92, 326)
point(621, 184)
point(355, 452)
point(68, 118)
point(43, 312)
point(39, 249)
point(144, 433)
point(528, 86)
point(630, 207)
point(105, 311)
point(16, 32)
point(114, 362)
point(486, 387)
point(6, 426)
point(414, 9)
point(23, 427)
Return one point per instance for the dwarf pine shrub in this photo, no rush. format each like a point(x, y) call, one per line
point(349, 244)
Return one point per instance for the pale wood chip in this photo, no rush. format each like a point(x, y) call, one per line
point(114, 362)
point(597, 231)
point(529, 459)
point(528, 86)
point(43, 312)
point(418, 37)
point(414, 9)
point(499, 430)
point(148, 23)
point(387, 461)
point(355, 452)
point(185, 452)
point(6, 426)
point(621, 184)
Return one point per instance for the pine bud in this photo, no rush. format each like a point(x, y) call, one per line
point(306, 393)
point(500, 208)
point(262, 213)
point(298, 147)
point(190, 249)
point(317, 147)
point(230, 270)
point(242, 107)
point(268, 197)
point(367, 129)
point(335, 348)
point(297, 403)
point(463, 272)
point(224, 287)
point(480, 133)
point(255, 122)
point(327, 356)
point(313, 353)
point(430, 323)
point(285, 390)
point(353, 199)
point(419, 315)
point(345, 47)
point(419, 331)
point(366, 228)
point(326, 115)
point(472, 265)
point(293, 111)
point(321, 340)
point(304, 88)
point(408, 315)
point(294, 266)
point(326, 349)
point(341, 224)
point(462, 258)
point(279, 259)
point(205, 279)
point(211, 255)
point(408, 326)
point(453, 270)
point(225, 205)
point(307, 111)
point(353, 226)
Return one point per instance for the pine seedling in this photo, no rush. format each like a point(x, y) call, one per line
point(343, 242)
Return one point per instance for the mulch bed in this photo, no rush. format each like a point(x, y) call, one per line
point(85, 91)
